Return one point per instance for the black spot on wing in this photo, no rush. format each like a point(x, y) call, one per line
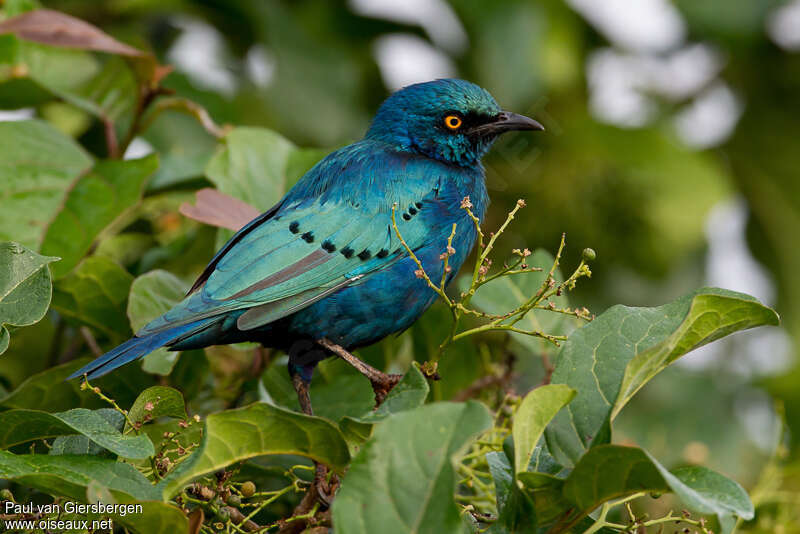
point(347, 252)
point(382, 253)
point(308, 237)
point(328, 246)
point(418, 205)
point(412, 210)
point(294, 227)
point(406, 217)
point(364, 255)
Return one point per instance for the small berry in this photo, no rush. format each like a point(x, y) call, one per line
point(248, 489)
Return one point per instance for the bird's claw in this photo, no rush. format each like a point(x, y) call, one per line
point(382, 385)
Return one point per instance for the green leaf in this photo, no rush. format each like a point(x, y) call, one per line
point(337, 390)
point(256, 430)
point(20, 426)
point(50, 391)
point(156, 518)
point(534, 413)
point(610, 471)
point(409, 393)
point(515, 510)
point(155, 402)
point(25, 288)
point(81, 444)
point(109, 95)
point(95, 294)
point(92, 203)
point(403, 479)
point(152, 294)
point(609, 359)
point(546, 493)
point(251, 165)
point(70, 476)
point(38, 167)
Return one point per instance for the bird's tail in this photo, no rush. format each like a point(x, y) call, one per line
point(138, 347)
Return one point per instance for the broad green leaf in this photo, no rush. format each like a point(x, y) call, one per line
point(155, 402)
point(515, 510)
point(534, 413)
point(109, 95)
point(409, 393)
point(403, 479)
point(38, 167)
point(251, 165)
point(95, 201)
point(156, 518)
point(80, 444)
point(25, 288)
point(33, 72)
point(333, 396)
point(711, 316)
point(546, 493)
point(152, 294)
point(50, 391)
point(256, 430)
point(70, 476)
point(609, 359)
point(610, 471)
point(95, 294)
point(20, 426)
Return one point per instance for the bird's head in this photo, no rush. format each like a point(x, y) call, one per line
point(451, 120)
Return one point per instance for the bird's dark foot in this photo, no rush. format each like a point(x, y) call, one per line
point(382, 383)
point(325, 485)
point(383, 386)
point(301, 387)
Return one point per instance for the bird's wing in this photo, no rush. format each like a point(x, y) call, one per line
point(285, 260)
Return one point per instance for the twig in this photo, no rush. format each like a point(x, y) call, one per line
point(91, 341)
point(184, 105)
point(110, 133)
point(420, 269)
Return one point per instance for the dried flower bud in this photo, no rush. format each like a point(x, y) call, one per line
point(196, 418)
point(450, 250)
point(526, 253)
point(148, 406)
point(419, 273)
point(521, 203)
point(466, 203)
point(183, 424)
point(443, 256)
point(448, 269)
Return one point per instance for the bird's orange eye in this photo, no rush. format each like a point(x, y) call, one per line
point(453, 122)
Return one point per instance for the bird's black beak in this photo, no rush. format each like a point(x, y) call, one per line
point(505, 121)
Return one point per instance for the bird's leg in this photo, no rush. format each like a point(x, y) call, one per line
point(301, 387)
point(324, 490)
point(382, 383)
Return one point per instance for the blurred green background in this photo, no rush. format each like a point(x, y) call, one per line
point(672, 148)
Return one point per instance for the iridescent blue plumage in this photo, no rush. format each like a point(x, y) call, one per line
point(325, 262)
